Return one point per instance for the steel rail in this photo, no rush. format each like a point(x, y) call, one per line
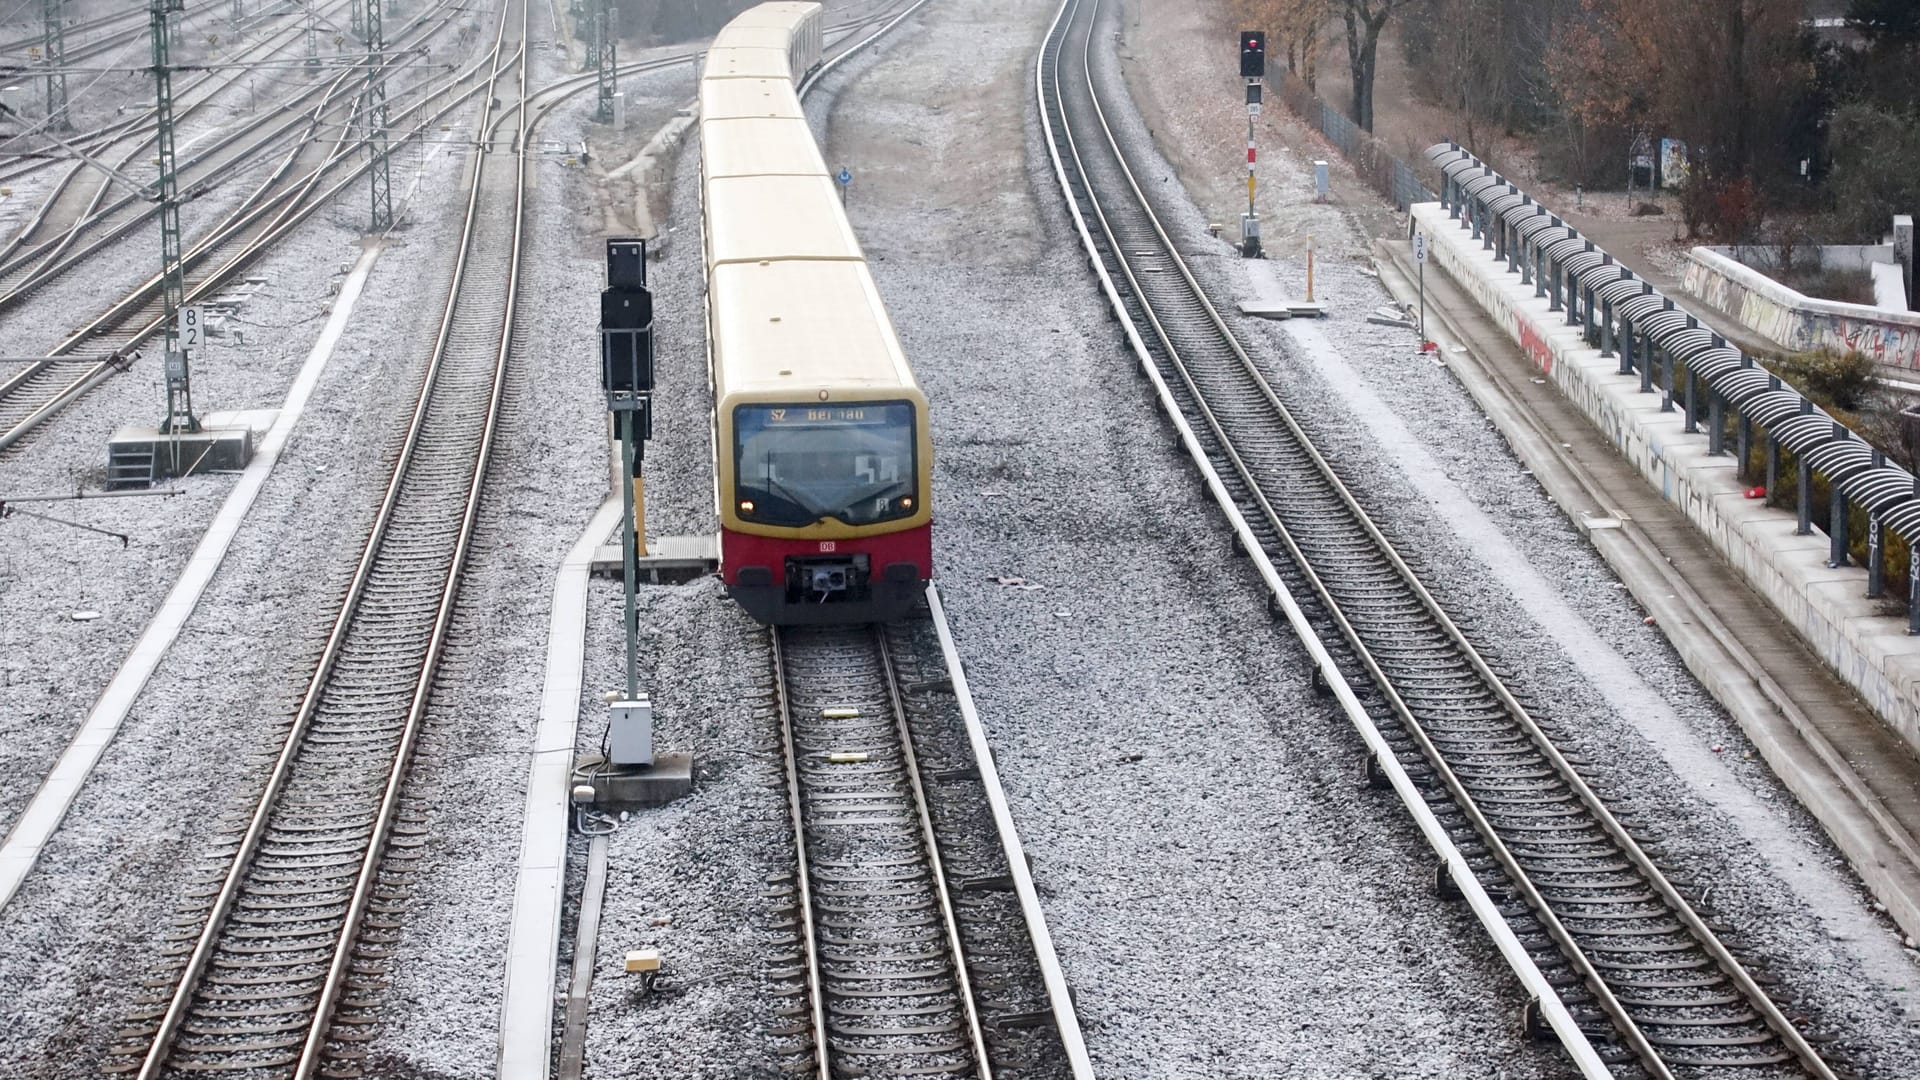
point(213, 82)
point(97, 22)
point(1542, 913)
point(808, 814)
point(803, 871)
point(292, 212)
point(1755, 998)
point(1059, 996)
point(443, 617)
point(210, 163)
point(99, 370)
point(55, 255)
point(1616, 1013)
point(934, 863)
point(841, 57)
point(250, 843)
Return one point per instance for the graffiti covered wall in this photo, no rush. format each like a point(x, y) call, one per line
point(1797, 321)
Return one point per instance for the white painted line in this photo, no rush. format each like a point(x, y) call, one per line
point(50, 804)
point(526, 999)
point(1551, 1007)
point(1064, 1016)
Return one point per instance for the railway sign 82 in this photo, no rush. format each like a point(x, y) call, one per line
point(191, 328)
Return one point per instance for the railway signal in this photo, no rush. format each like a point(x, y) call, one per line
point(1253, 54)
point(1253, 68)
point(626, 373)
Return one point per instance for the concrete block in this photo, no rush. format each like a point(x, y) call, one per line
point(670, 777)
point(670, 560)
point(136, 450)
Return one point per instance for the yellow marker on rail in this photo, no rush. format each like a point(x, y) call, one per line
point(839, 712)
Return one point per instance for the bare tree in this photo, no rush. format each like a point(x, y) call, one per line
point(1364, 20)
point(1737, 121)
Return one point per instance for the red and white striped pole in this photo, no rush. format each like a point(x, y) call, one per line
point(1253, 68)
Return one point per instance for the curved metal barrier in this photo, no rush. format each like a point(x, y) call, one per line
point(1692, 367)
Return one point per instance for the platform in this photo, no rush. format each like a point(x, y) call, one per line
point(1855, 775)
point(670, 560)
point(1272, 300)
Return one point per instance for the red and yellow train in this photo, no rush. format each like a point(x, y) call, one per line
point(823, 470)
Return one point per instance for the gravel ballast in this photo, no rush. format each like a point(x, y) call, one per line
point(1224, 897)
point(1438, 477)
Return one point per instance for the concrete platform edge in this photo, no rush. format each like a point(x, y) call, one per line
point(36, 826)
point(1790, 744)
point(1872, 653)
point(533, 941)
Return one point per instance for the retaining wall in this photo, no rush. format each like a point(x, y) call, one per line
point(1798, 321)
point(1869, 650)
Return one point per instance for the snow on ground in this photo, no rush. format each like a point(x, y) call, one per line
point(1439, 478)
point(443, 1006)
point(52, 668)
point(114, 872)
point(1226, 900)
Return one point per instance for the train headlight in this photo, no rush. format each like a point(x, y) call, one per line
point(746, 506)
point(906, 502)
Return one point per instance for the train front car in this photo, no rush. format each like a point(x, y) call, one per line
point(823, 459)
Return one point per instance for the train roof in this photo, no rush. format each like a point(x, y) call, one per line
point(751, 36)
point(759, 147)
point(779, 13)
point(756, 218)
point(733, 99)
point(787, 330)
point(748, 62)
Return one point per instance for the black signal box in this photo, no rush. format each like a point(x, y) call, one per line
point(626, 321)
point(627, 263)
point(1253, 54)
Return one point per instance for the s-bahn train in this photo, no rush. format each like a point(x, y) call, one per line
point(823, 462)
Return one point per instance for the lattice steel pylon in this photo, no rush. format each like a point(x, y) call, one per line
point(55, 52)
point(604, 61)
point(173, 278)
point(374, 112)
point(239, 11)
point(358, 22)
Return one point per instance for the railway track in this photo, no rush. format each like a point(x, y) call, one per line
point(1639, 969)
point(33, 151)
point(103, 347)
point(910, 950)
point(883, 967)
point(78, 209)
point(274, 967)
point(311, 174)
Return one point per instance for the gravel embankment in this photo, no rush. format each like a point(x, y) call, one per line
point(1440, 479)
point(1225, 898)
point(53, 667)
point(549, 474)
point(111, 879)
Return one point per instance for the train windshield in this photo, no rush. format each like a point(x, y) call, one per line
point(797, 464)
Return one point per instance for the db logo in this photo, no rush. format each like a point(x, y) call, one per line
point(829, 545)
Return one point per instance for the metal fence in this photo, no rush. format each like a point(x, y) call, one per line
point(1384, 172)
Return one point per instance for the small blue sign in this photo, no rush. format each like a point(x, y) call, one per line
point(845, 177)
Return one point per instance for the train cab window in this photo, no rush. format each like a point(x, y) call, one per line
point(797, 464)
